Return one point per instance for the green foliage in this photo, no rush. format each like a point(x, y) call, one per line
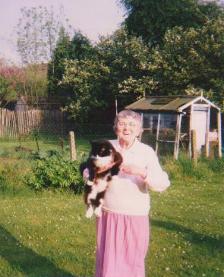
point(216, 165)
point(150, 19)
point(7, 93)
point(35, 85)
point(11, 81)
point(127, 58)
point(178, 49)
point(87, 79)
point(189, 169)
point(56, 66)
point(77, 48)
point(186, 42)
point(185, 169)
point(29, 81)
point(11, 183)
point(55, 172)
point(81, 47)
point(190, 61)
point(3, 182)
point(112, 72)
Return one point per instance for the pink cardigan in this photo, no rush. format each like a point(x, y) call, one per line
point(128, 194)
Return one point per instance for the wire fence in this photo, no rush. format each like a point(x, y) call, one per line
point(38, 130)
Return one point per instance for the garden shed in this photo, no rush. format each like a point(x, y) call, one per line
point(168, 122)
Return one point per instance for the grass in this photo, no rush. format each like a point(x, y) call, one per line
point(46, 234)
point(187, 229)
point(23, 149)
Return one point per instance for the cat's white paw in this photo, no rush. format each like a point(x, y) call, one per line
point(89, 212)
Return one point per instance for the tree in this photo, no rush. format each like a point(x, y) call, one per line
point(29, 81)
point(97, 80)
point(81, 47)
point(192, 58)
point(37, 31)
point(36, 82)
point(87, 80)
point(56, 66)
point(127, 58)
point(12, 79)
point(150, 19)
point(78, 48)
point(6, 91)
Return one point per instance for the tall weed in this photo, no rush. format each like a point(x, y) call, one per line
point(186, 168)
point(216, 165)
point(11, 178)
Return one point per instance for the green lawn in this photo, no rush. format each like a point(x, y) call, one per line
point(46, 234)
point(15, 149)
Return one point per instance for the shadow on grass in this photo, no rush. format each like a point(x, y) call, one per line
point(213, 244)
point(25, 260)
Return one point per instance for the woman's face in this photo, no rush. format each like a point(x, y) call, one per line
point(127, 129)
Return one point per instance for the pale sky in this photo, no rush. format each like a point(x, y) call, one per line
point(92, 17)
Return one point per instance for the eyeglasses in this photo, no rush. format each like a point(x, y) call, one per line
point(125, 124)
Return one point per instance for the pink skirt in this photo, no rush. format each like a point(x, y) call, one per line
point(122, 243)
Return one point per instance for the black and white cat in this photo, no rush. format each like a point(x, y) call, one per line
point(103, 163)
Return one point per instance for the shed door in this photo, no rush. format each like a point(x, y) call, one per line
point(199, 123)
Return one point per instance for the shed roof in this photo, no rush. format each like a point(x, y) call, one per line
point(168, 103)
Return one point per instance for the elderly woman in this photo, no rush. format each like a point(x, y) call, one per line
point(123, 228)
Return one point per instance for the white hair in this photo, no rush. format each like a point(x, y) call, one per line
point(128, 113)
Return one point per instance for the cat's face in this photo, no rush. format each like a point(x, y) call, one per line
point(102, 153)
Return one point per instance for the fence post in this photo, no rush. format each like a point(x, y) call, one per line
point(193, 145)
point(219, 135)
point(72, 145)
point(207, 145)
point(177, 137)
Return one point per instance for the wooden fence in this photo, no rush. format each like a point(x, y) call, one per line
point(14, 124)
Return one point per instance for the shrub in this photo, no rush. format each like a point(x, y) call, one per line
point(217, 165)
point(57, 172)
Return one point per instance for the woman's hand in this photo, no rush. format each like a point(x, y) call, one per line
point(134, 170)
point(85, 174)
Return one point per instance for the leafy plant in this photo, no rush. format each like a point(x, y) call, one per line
point(56, 172)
